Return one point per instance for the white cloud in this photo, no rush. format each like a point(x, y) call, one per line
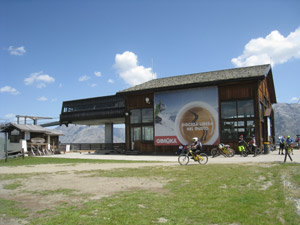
point(42, 99)
point(16, 50)
point(9, 90)
point(84, 78)
point(111, 81)
point(93, 85)
point(127, 66)
point(39, 79)
point(10, 116)
point(98, 74)
point(273, 49)
point(295, 99)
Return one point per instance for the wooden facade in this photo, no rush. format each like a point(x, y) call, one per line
point(253, 90)
point(247, 91)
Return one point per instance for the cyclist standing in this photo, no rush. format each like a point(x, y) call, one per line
point(241, 144)
point(253, 145)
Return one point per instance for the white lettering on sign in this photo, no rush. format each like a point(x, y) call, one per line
point(166, 141)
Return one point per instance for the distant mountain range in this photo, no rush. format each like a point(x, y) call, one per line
point(88, 134)
point(287, 122)
point(287, 119)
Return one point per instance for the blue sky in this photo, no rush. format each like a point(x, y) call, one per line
point(57, 50)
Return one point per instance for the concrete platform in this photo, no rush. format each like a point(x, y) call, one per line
point(265, 158)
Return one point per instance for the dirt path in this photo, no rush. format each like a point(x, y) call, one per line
point(44, 187)
point(53, 168)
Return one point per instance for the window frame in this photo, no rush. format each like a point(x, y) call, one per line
point(232, 126)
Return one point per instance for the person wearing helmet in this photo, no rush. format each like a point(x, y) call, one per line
point(289, 142)
point(288, 146)
point(253, 145)
point(241, 144)
point(196, 146)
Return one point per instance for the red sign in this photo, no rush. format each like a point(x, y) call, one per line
point(167, 140)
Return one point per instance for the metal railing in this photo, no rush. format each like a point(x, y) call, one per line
point(98, 147)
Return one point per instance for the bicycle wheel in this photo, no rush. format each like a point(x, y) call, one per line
point(231, 152)
point(183, 159)
point(202, 158)
point(214, 152)
point(259, 151)
point(244, 153)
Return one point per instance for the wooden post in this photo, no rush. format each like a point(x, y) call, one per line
point(23, 153)
point(5, 147)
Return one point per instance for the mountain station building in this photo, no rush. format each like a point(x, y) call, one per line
point(161, 114)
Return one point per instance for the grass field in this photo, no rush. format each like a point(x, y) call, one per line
point(210, 194)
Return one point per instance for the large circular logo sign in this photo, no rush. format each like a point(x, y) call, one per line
point(196, 119)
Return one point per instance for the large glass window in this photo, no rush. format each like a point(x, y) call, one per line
point(136, 133)
point(135, 116)
point(142, 124)
point(237, 117)
point(228, 110)
point(148, 133)
point(147, 115)
point(237, 109)
point(245, 108)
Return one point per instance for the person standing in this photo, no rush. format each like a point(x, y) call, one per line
point(241, 144)
point(288, 146)
point(253, 145)
point(281, 144)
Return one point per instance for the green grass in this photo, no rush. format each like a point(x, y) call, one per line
point(211, 194)
point(31, 161)
point(69, 192)
point(12, 186)
point(11, 209)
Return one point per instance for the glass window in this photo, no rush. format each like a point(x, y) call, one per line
point(148, 133)
point(135, 116)
point(136, 133)
point(231, 130)
point(147, 115)
point(250, 128)
point(228, 110)
point(228, 130)
point(245, 108)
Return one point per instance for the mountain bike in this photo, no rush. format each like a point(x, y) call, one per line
point(184, 158)
point(243, 151)
point(226, 151)
point(249, 149)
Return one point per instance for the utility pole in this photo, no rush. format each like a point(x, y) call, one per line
point(5, 147)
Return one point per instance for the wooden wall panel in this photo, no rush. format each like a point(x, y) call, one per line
point(138, 101)
point(237, 91)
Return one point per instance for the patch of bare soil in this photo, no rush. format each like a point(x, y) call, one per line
point(45, 191)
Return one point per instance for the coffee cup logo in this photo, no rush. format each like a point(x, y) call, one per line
point(197, 119)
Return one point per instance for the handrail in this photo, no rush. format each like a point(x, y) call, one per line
point(94, 146)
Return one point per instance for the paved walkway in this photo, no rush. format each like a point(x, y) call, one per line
point(271, 157)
